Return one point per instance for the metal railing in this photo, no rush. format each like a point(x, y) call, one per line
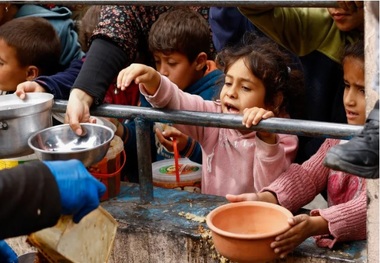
point(233, 3)
point(144, 115)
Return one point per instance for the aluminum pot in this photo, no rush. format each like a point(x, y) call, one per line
point(30, 257)
point(21, 118)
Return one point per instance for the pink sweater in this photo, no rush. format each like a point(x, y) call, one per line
point(233, 163)
point(347, 197)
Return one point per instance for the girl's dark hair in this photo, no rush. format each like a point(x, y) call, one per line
point(35, 41)
point(182, 30)
point(354, 50)
point(274, 68)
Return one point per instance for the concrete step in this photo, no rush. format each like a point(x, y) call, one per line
point(172, 228)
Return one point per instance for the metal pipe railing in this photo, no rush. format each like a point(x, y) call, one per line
point(144, 115)
point(183, 2)
point(208, 119)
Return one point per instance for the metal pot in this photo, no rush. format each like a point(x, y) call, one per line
point(21, 118)
point(28, 258)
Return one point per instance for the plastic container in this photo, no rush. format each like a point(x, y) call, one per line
point(190, 175)
point(109, 168)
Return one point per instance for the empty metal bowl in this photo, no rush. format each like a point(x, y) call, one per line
point(61, 143)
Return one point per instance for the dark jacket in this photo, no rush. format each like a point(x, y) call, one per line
point(30, 199)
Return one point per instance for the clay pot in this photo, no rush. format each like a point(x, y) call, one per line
point(242, 232)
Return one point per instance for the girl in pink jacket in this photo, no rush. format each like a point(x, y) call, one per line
point(257, 84)
point(345, 217)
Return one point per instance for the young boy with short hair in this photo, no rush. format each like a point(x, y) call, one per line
point(29, 47)
point(180, 43)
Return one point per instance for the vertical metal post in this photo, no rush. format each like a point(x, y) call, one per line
point(144, 160)
point(371, 74)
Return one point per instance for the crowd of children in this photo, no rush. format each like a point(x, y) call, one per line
point(167, 54)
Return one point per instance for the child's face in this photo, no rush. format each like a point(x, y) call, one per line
point(177, 68)
point(354, 94)
point(11, 73)
point(241, 89)
point(347, 20)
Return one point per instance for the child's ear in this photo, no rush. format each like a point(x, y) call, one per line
point(201, 61)
point(32, 72)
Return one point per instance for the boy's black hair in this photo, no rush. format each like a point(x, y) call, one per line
point(180, 30)
point(35, 41)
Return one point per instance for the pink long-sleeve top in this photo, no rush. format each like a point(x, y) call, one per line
point(347, 199)
point(233, 163)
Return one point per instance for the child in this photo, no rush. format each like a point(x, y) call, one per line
point(257, 84)
point(180, 43)
point(360, 156)
point(345, 218)
point(317, 36)
point(29, 47)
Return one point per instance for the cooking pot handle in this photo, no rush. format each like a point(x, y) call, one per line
point(3, 125)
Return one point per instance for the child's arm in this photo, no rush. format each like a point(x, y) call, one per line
point(140, 74)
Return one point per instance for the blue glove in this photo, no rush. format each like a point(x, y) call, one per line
point(80, 191)
point(7, 255)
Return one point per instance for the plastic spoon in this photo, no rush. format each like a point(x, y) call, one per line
point(176, 157)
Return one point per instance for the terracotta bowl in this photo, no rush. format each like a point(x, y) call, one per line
point(242, 232)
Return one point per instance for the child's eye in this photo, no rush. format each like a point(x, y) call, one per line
point(246, 88)
point(362, 91)
point(172, 63)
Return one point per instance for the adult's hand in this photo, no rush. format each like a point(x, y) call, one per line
point(7, 255)
point(78, 109)
point(80, 192)
point(28, 86)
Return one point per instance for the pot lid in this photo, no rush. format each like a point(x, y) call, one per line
point(12, 106)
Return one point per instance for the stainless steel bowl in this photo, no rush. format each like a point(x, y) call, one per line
point(61, 143)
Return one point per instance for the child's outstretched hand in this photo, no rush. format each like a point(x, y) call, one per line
point(265, 196)
point(165, 138)
point(301, 227)
point(28, 86)
point(140, 74)
point(243, 197)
